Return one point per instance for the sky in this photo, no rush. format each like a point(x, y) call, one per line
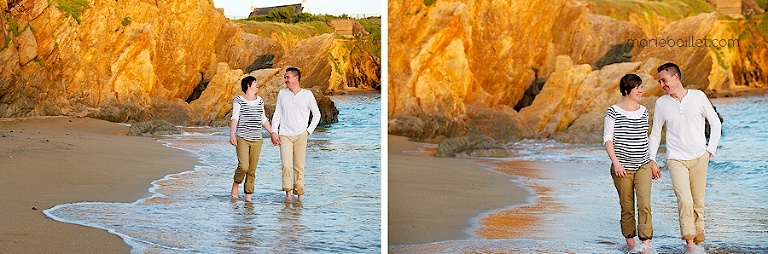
point(241, 8)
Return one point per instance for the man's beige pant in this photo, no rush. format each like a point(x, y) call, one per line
point(636, 183)
point(293, 151)
point(689, 178)
point(247, 159)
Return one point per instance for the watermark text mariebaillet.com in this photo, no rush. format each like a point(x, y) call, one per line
point(688, 42)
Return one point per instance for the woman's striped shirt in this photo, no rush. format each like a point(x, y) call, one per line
point(628, 130)
point(250, 117)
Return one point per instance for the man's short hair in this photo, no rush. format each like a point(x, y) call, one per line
point(672, 69)
point(295, 71)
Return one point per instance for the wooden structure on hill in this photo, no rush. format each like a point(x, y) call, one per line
point(349, 28)
point(727, 7)
point(297, 8)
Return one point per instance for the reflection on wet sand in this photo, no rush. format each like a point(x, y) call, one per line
point(522, 221)
point(291, 227)
point(244, 229)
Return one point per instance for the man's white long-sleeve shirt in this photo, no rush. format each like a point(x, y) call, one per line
point(685, 126)
point(292, 112)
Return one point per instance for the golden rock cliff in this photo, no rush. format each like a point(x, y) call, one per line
point(110, 53)
point(131, 60)
point(510, 70)
point(454, 58)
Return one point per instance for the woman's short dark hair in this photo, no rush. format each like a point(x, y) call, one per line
point(245, 82)
point(629, 82)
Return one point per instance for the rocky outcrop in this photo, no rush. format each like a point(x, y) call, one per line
point(501, 123)
point(572, 104)
point(471, 146)
point(344, 62)
point(214, 107)
point(153, 128)
point(333, 65)
point(216, 101)
point(695, 63)
point(362, 71)
point(433, 128)
point(114, 53)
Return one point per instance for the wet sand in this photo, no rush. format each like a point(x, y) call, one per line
point(55, 160)
point(433, 200)
point(469, 216)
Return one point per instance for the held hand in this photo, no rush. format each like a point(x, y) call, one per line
point(710, 154)
point(619, 170)
point(233, 140)
point(275, 139)
point(655, 171)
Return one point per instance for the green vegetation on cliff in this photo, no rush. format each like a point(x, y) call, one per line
point(287, 15)
point(672, 10)
point(303, 30)
point(761, 22)
point(763, 4)
point(373, 44)
point(72, 8)
point(269, 29)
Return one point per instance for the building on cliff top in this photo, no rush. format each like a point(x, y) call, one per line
point(727, 7)
point(297, 8)
point(348, 28)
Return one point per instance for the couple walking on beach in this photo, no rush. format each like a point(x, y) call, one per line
point(290, 129)
point(633, 155)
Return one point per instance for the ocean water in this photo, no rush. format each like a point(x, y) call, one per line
point(587, 217)
point(192, 211)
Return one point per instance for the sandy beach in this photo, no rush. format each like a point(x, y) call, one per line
point(55, 160)
point(435, 199)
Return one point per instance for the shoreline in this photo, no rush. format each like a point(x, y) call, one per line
point(447, 206)
point(50, 161)
point(494, 219)
point(738, 91)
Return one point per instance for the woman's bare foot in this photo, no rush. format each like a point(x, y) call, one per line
point(630, 243)
point(234, 191)
point(247, 197)
point(299, 199)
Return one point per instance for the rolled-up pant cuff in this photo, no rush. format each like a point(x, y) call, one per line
point(699, 238)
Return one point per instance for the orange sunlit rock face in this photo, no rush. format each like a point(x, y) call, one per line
point(451, 59)
point(148, 57)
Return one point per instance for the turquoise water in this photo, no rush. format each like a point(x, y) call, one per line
point(736, 210)
point(192, 211)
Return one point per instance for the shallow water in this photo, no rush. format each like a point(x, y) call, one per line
point(192, 211)
point(586, 219)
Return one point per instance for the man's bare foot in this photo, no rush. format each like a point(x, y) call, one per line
point(288, 197)
point(299, 199)
point(691, 248)
point(247, 197)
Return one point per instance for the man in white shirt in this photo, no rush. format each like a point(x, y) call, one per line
point(684, 111)
point(290, 130)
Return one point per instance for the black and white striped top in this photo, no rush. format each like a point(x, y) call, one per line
point(250, 117)
point(629, 132)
